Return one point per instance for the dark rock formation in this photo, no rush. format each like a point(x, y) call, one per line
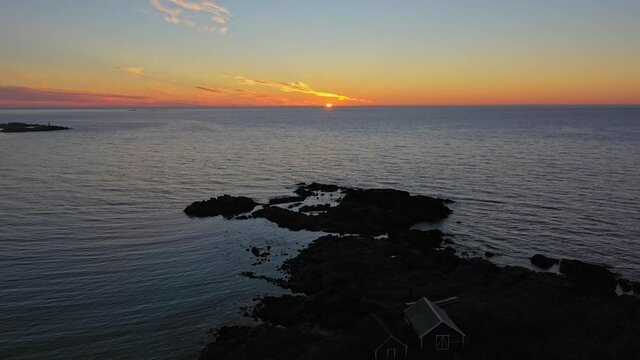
point(312, 208)
point(625, 285)
point(303, 192)
point(227, 206)
point(270, 280)
point(315, 187)
point(374, 211)
point(593, 277)
point(506, 312)
point(418, 239)
point(286, 218)
point(543, 262)
point(285, 200)
point(22, 127)
point(260, 342)
point(261, 252)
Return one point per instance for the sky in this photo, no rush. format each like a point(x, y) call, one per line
point(125, 53)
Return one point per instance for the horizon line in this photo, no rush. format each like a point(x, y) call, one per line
point(118, 107)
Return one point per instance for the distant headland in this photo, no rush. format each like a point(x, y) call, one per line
point(16, 127)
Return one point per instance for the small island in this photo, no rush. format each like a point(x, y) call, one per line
point(375, 287)
point(16, 127)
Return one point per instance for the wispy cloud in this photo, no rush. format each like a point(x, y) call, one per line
point(297, 87)
point(134, 71)
point(32, 96)
point(203, 15)
point(248, 94)
point(16, 74)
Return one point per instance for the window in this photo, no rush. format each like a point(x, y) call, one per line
point(442, 342)
point(391, 353)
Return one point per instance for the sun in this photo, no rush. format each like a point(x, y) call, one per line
point(328, 106)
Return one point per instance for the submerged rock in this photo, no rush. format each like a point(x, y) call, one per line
point(227, 206)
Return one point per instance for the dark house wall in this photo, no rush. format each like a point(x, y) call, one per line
point(392, 343)
point(429, 341)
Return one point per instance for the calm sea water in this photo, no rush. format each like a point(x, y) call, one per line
point(97, 259)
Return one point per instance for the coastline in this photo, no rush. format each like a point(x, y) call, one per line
point(507, 312)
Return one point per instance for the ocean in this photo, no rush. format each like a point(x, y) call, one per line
point(97, 259)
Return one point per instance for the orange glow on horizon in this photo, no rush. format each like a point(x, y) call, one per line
point(328, 106)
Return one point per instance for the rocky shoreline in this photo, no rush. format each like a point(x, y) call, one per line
point(506, 312)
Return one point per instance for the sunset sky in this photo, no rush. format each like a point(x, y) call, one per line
point(293, 52)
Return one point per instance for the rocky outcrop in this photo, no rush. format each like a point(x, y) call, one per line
point(315, 187)
point(592, 277)
point(227, 206)
point(506, 312)
point(543, 262)
point(625, 285)
point(418, 239)
point(315, 208)
point(372, 212)
point(286, 218)
point(22, 127)
point(285, 200)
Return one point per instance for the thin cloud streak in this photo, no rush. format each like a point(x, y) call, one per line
point(245, 94)
point(191, 12)
point(11, 95)
point(134, 71)
point(16, 74)
point(297, 87)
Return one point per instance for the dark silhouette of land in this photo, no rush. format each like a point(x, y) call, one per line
point(506, 312)
point(22, 127)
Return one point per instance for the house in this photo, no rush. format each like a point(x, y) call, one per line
point(434, 328)
point(379, 340)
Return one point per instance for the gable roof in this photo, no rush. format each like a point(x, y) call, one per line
point(425, 316)
point(375, 333)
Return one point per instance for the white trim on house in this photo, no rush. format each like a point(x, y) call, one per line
point(394, 352)
point(389, 338)
point(441, 316)
point(443, 342)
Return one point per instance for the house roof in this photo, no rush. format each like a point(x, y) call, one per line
point(425, 316)
point(374, 332)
